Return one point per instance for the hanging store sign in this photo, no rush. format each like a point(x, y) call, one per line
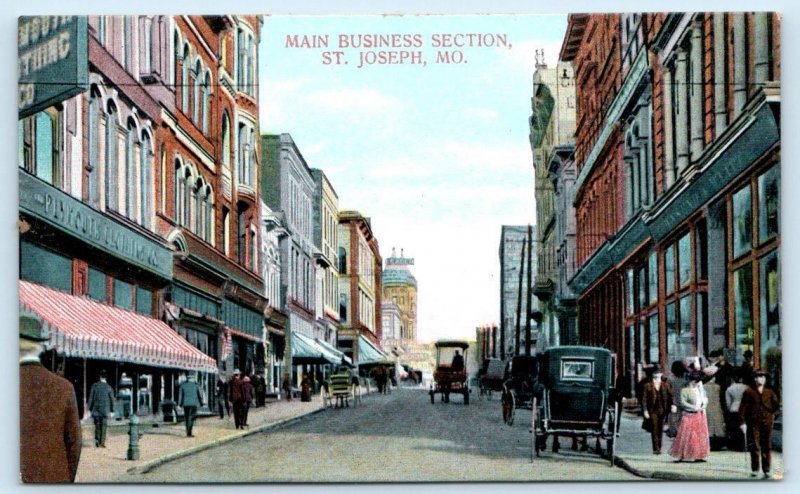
point(53, 60)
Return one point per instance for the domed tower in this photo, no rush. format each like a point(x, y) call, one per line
point(400, 289)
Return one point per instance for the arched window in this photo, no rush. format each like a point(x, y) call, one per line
point(226, 231)
point(187, 197)
point(178, 191)
point(209, 215)
point(112, 151)
point(243, 154)
point(130, 169)
point(185, 79)
point(196, 82)
point(93, 167)
point(146, 181)
point(241, 234)
point(226, 141)
point(176, 56)
point(205, 101)
point(199, 208)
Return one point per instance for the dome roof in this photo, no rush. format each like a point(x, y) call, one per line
point(394, 277)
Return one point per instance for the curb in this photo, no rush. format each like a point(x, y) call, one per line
point(147, 467)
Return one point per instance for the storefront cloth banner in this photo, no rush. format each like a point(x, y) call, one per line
point(84, 328)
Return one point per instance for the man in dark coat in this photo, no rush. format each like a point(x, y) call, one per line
point(222, 397)
point(756, 417)
point(248, 393)
point(656, 404)
point(50, 429)
point(236, 396)
point(101, 405)
point(189, 398)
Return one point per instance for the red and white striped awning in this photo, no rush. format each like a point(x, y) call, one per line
point(81, 327)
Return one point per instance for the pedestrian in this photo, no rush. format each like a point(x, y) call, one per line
point(305, 389)
point(657, 401)
point(287, 386)
point(247, 392)
point(756, 418)
point(221, 394)
point(189, 398)
point(261, 390)
point(236, 397)
point(691, 442)
point(677, 381)
point(50, 429)
point(101, 406)
point(747, 368)
point(715, 414)
point(733, 399)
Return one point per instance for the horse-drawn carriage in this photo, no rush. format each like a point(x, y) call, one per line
point(518, 386)
point(491, 376)
point(450, 375)
point(574, 396)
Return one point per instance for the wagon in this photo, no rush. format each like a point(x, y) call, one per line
point(518, 386)
point(450, 375)
point(575, 396)
point(491, 376)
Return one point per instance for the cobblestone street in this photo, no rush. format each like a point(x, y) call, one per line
point(396, 437)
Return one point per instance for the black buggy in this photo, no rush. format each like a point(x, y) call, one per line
point(575, 396)
point(519, 384)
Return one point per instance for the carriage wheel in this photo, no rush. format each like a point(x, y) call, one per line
point(613, 426)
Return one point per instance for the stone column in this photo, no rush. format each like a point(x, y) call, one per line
point(696, 90)
point(720, 76)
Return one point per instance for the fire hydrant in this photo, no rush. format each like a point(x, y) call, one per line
point(133, 441)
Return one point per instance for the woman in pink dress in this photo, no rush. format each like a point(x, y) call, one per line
point(692, 443)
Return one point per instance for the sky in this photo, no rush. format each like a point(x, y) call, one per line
point(437, 155)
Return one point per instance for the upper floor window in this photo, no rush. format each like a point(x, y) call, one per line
point(40, 146)
point(184, 82)
point(226, 141)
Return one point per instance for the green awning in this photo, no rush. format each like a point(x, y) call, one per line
point(333, 352)
point(306, 351)
point(368, 353)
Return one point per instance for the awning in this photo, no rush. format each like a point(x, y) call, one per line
point(306, 351)
point(368, 353)
point(81, 327)
point(333, 351)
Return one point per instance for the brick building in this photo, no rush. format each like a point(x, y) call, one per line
point(677, 206)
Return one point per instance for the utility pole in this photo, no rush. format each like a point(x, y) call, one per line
point(519, 299)
point(530, 291)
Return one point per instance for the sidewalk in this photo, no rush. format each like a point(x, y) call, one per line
point(168, 441)
point(634, 452)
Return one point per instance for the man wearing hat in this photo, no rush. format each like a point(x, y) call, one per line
point(189, 398)
point(101, 405)
point(756, 417)
point(656, 403)
point(236, 396)
point(50, 429)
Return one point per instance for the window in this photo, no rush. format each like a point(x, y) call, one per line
point(226, 231)
point(684, 261)
point(98, 289)
point(768, 204)
point(93, 167)
point(769, 304)
point(112, 152)
point(669, 269)
point(653, 338)
point(123, 294)
point(144, 301)
point(342, 260)
point(40, 146)
point(178, 191)
point(244, 155)
point(226, 141)
point(130, 170)
point(241, 235)
point(742, 221)
point(185, 63)
point(195, 78)
point(743, 307)
point(205, 97)
point(145, 203)
point(652, 275)
point(187, 197)
point(45, 267)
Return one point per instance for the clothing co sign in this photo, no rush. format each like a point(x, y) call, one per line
point(79, 220)
point(53, 62)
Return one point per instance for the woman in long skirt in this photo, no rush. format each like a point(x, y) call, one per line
point(692, 443)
